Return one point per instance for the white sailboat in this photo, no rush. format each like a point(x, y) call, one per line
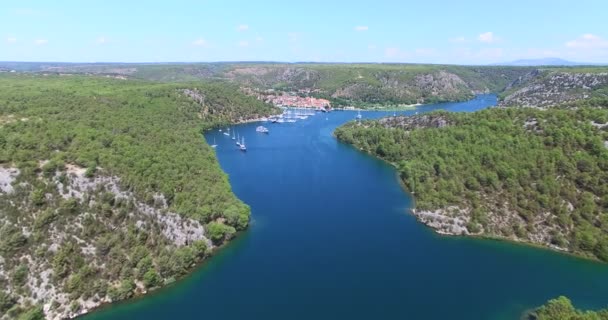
point(243, 147)
point(359, 116)
point(238, 142)
point(233, 136)
point(214, 145)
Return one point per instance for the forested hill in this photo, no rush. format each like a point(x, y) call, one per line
point(107, 188)
point(518, 173)
point(550, 87)
point(343, 84)
point(364, 84)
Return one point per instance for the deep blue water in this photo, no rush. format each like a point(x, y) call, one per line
point(331, 238)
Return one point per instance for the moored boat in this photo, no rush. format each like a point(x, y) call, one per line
point(242, 147)
point(261, 129)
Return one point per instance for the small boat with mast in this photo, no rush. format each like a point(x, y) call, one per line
point(214, 145)
point(242, 146)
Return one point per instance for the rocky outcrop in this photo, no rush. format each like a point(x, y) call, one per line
point(276, 75)
point(449, 221)
point(546, 89)
point(414, 88)
point(75, 215)
point(441, 83)
point(433, 120)
point(7, 176)
point(453, 220)
point(378, 83)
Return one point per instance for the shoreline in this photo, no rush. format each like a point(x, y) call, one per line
point(189, 273)
point(510, 241)
point(159, 290)
point(482, 236)
point(388, 108)
point(412, 211)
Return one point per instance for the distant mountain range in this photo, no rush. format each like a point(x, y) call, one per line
point(544, 62)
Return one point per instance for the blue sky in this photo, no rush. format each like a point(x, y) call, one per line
point(429, 31)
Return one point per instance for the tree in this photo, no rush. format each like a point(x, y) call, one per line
point(152, 279)
point(7, 301)
point(34, 313)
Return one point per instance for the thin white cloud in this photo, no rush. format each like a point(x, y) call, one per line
point(41, 42)
point(391, 52)
point(361, 28)
point(458, 40)
point(200, 42)
point(426, 52)
point(102, 40)
point(487, 37)
point(588, 41)
point(243, 43)
point(371, 47)
point(242, 27)
point(11, 39)
point(259, 39)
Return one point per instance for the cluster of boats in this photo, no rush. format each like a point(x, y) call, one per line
point(291, 116)
point(240, 140)
point(288, 115)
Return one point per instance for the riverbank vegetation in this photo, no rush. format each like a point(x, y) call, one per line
point(562, 309)
point(108, 188)
point(517, 173)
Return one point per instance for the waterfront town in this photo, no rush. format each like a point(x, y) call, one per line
point(300, 99)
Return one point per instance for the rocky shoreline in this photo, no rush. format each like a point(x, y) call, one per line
point(443, 222)
point(73, 186)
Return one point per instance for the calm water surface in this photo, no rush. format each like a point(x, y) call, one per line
point(331, 238)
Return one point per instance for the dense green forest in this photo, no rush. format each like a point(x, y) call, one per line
point(344, 84)
point(518, 173)
point(561, 309)
point(116, 191)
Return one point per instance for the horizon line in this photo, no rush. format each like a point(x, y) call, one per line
point(509, 64)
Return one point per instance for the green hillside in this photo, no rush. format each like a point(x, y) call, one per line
point(519, 173)
point(109, 187)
